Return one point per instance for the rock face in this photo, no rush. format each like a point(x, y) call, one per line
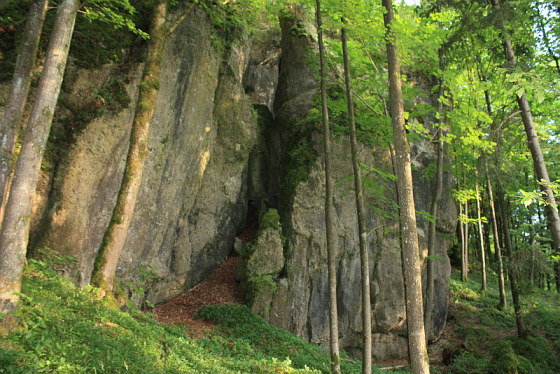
point(193, 194)
point(228, 137)
point(300, 300)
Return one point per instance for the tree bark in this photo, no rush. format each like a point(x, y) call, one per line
point(497, 243)
point(409, 232)
point(17, 98)
point(519, 321)
point(480, 234)
point(462, 238)
point(551, 208)
point(114, 239)
point(15, 228)
point(362, 230)
point(432, 232)
point(331, 254)
point(466, 240)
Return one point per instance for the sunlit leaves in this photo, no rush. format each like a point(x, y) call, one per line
point(115, 13)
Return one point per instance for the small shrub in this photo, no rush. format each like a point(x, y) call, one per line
point(469, 363)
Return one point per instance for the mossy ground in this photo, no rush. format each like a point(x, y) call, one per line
point(481, 339)
point(68, 330)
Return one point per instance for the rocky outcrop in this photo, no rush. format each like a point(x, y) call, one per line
point(230, 129)
point(300, 300)
point(193, 194)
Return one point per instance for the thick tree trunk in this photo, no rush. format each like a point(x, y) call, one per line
point(331, 254)
point(409, 232)
point(362, 230)
point(21, 81)
point(113, 242)
point(551, 208)
point(497, 243)
point(15, 228)
point(480, 234)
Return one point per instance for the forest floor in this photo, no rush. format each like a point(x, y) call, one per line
point(475, 332)
point(68, 330)
point(219, 288)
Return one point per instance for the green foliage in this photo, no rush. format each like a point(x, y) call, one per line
point(270, 219)
point(117, 14)
point(12, 22)
point(468, 363)
point(490, 346)
point(143, 279)
point(237, 323)
point(68, 330)
point(296, 166)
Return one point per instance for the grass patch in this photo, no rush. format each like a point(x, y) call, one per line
point(68, 330)
point(488, 335)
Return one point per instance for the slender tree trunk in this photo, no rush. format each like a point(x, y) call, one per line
point(17, 218)
point(466, 240)
point(364, 254)
point(480, 234)
point(502, 211)
point(409, 232)
point(464, 275)
point(13, 112)
point(497, 244)
point(331, 254)
point(551, 208)
point(113, 242)
point(428, 305)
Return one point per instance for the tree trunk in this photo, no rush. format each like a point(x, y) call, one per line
point(21, 81)
point(17, 218)
point(111, 247)
point(428, 307)
point(551, 208)
point(466, 241)
point(520, 323)
point(362, 230)
point(331, 254)
point(463, 246)
point(480, 234)
point(409, 232)
point(497, 243)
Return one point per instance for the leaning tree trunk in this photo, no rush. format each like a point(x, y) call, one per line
point(409, 232)
point(113, 242)
point(551, 208)
point(21, 81)
point(362, 230)
point(14, 235)
point(333, 311)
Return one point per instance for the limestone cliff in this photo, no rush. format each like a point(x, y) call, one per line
point(228, 134)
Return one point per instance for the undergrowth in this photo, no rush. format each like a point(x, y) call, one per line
point(488, 341)
point(68, 330)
